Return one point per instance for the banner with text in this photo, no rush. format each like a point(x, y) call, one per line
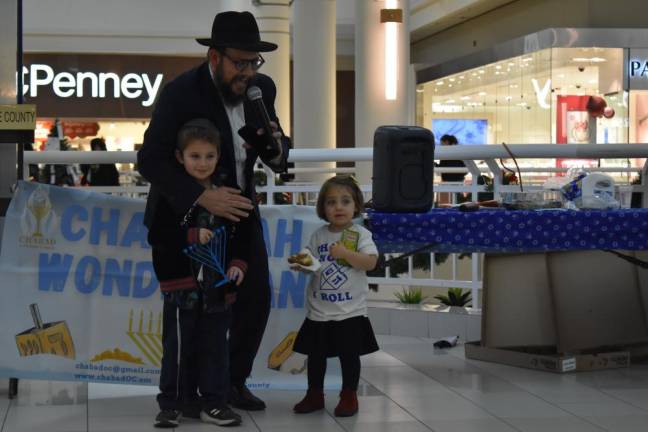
point(80, 300)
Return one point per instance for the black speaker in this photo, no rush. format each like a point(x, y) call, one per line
point(403, 169)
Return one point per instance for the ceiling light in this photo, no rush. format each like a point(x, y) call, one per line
point(391, 21)
point(588, 59)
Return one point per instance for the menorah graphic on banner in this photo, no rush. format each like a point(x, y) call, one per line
point(148, 336)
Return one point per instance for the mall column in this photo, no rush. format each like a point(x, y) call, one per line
point(273, 18)
point(374, 106)
point(314, 65)
point(8, 152)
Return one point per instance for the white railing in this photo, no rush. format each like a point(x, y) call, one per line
point(489, 154)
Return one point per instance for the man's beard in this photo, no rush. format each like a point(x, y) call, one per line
point(225, 88)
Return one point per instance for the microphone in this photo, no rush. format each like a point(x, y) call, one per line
point(269, 145)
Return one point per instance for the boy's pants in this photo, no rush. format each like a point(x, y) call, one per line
point(202, 338)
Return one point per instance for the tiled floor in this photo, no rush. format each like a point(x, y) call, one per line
point(407, 387)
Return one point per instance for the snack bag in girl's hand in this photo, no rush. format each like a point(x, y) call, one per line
point(350, 241)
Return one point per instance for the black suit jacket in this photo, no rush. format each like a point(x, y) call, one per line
point(189, 96)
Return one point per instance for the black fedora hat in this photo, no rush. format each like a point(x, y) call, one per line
point(236, 30)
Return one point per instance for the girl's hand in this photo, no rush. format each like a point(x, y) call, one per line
point(235, 274)
point(297, 267)
point(204, 235)
point(338, 251)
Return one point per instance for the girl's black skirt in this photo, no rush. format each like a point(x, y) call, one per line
point(352, 336)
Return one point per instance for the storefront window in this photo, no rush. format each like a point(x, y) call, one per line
point(524, 100)
point(555, 95)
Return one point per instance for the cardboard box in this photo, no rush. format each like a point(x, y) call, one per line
point(547, 359)
point(576, 301)
point(517, 307)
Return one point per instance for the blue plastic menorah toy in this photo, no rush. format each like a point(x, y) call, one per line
point(212, 254)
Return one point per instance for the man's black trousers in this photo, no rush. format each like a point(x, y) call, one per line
point(252, 308)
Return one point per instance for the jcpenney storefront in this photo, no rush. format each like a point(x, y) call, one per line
point(554, 86)
point(109, 96)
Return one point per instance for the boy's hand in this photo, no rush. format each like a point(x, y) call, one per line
point(204, 235)
point(338, 251)
point(235, 274)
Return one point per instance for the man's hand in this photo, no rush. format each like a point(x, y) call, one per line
point(275, 133)
point(225, 202)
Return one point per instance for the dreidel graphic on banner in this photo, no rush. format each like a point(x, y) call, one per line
point(49, 338)
point(284, 359)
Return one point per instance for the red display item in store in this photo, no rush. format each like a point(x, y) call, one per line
point(595, 106)
point(80, 129)
point(608, 112)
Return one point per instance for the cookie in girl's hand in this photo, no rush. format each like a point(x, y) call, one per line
point(303, 261)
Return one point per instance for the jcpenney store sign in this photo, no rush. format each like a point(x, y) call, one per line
point(98, 86)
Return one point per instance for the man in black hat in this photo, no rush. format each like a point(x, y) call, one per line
point(216, 90)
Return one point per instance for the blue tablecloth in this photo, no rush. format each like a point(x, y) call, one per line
point(511, 231)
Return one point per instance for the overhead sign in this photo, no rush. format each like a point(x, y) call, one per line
point(143, 87)
point(17, 117)
point(93, 86)
point(636, 69)
point(639, 68)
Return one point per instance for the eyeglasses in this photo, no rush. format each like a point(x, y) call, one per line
point(241, 65)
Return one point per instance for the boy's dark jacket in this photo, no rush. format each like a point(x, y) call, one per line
point(173, 232)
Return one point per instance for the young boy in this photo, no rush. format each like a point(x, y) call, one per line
point(197, 311)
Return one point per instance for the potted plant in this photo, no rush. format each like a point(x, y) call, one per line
point(455, 299)
point(410, 296)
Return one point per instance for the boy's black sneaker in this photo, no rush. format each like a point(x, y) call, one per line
point(168, 419)
point(221, 416)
